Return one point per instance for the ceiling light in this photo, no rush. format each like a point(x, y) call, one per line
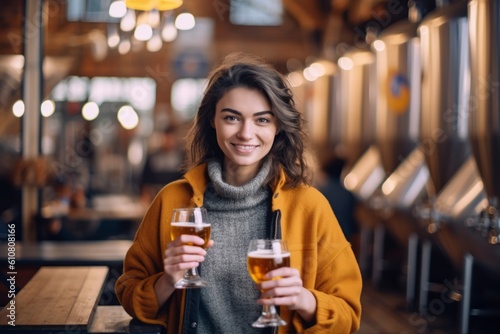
point(143, 32)
point(168, 31)
point(117, 9)
point(185, 21)
point(127, 23)
point(147, 5)
point(155, 43)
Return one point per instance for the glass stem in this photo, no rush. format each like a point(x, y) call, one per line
point(191, 273)
point(269, 311)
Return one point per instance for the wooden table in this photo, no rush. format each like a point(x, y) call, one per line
point(56, 299)
point(114, 319)
point(75, 253)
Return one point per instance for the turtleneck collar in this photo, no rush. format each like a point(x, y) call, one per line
point(235, 192)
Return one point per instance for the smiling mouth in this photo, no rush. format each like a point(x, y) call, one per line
point(247, 148)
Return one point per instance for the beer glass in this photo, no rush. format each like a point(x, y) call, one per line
point(262, 257)
point(190, 221)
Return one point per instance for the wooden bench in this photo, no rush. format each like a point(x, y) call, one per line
point(55, 299)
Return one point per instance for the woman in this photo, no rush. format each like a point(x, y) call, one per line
point(247, 168)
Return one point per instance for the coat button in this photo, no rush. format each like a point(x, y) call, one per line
point(276, 195)
point(194, 325)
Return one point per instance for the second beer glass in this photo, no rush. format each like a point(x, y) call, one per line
point(262, 257)
point(190, 221)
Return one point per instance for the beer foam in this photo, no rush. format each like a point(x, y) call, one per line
point(267, 254)
point(189, 224)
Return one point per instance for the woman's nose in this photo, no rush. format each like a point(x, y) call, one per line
point(246, 131)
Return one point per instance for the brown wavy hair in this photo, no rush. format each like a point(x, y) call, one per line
point(243, 70)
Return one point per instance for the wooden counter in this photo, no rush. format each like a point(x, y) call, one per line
point(56, 299)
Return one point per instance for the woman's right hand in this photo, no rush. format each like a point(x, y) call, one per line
point(183, 253)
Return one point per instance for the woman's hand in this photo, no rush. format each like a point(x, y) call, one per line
point(182, 254)
point(285, 288)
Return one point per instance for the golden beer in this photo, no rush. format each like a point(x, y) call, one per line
point(260, 262)
point(201, 230)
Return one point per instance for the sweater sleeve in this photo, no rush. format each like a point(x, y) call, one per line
point(142, 267)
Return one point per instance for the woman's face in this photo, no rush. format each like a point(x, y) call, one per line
point(245, 128)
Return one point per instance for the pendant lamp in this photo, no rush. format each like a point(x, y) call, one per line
point(147, 5)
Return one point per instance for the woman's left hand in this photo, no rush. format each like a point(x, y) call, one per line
point(285, 288)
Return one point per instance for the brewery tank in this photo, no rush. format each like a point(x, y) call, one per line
point(484, 103)
point(357, 97)
point(398, 65)
point(444, 133)
point(356, 101)
point(398, 85)
point(445, 91)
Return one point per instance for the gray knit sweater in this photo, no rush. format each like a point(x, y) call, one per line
point(237, 215)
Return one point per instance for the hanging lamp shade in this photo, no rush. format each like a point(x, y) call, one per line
point(147, 5)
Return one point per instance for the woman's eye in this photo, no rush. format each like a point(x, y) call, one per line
point(230, 118)
point(263, 120)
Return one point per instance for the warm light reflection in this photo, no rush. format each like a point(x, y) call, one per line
point(169, 32)
point(296, 79)
point(378, 45)
point(17, 62)
point(143, 32)
point(345, 63)
point(309, 74)
point(127, 23)
point(124, 46)
point(127, 117)
point(117, 9)
point(153, 18)
point(90, 111)
point(47, 108)
point(185, 21)
point(318, 69)
point(388, 186)
point(113, 41)
point(155, 43)
point(350, 182)
point(135, 152)
point(18, 108)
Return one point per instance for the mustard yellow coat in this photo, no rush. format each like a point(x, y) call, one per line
point(317, 244)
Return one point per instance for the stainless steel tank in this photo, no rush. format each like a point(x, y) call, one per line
point(399, 75)
point(445, 91)
point(397, 52)
point(355, 97)
point(462, 198)
point(484, 103)
point(398, 66)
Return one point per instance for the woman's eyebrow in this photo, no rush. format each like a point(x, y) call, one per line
point(260, 113)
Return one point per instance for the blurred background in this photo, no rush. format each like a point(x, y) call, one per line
point(110, 82)
point(402, 107)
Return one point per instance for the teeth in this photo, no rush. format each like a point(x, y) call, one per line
point(243, 147)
